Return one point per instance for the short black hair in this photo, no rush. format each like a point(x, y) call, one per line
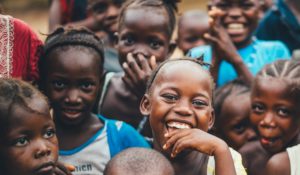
point(137, 161)
point(16, 92)
point(169, 5)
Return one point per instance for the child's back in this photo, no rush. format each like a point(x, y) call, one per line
point(72, 69)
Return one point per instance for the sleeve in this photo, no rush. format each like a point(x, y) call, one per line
point(131, 138)
point(30, 48)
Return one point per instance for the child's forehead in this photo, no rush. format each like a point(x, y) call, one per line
point(146, 16)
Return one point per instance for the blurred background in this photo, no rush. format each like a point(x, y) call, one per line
point(35, 12)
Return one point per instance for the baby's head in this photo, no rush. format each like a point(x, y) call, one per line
point(275, 99)
point(146, 27)
point(106, 14)
point(232, 109)
point(71, 71)
point(136, 161)
point(191, 27)
point(239, 18)
point(177, 100)
point(28, 143)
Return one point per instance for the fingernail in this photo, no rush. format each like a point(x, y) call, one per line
point(172, 155)
point(165, 146)
point(166, 134)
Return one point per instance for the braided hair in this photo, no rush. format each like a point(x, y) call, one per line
point(169, 5)
point(16, 92)
point(65, 38)
point(198, 61)
point(287, 70)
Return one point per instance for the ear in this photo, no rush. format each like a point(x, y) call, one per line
point(212, 120)
point(116, 40)
point(145, 105)
point(172, 47)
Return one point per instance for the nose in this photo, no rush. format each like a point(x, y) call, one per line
point(42, 149)
point(251, 135)
point(234, 12)
point(268, 121)
point(141, 49)
point(73, 97)
point(183, 108)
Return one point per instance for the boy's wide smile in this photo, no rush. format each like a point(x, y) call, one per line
point(174, 125)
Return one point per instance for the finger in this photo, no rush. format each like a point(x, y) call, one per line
point(210, 38)
point(129, 73)
point(153, 63)
point(128, 82)
point(144, 63)
point(174, 137)
point(132, 64)
point(70, 167)
point(181, 144)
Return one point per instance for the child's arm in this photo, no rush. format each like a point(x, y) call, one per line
point(137, 72)
point(224, 48)
point(203, 142)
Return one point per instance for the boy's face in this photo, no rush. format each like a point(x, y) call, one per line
point(144, 31)
point(72, 84)
point(107, 11)
point(178, 101)
point(190, 33)
point(234, 125)
point(240, 18)
point(30, 146)
point(274, 113)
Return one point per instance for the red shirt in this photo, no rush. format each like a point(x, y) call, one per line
point(20, 49)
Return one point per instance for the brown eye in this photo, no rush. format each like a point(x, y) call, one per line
point(22, 141)
point(257, 108)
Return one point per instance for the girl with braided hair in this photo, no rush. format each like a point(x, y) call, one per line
point(274, 113)
point(71, 71)
point(144, 41)
point(180, 111)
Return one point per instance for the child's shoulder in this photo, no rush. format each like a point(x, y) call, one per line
point(272, 50)
point(251, 148)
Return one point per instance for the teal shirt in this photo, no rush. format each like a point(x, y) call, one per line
point(255, 56)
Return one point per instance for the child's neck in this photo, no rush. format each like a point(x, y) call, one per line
point(70, 137)
point(294, 6)
point(192, 164)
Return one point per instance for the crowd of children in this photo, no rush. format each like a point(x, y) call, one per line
point(105, 96)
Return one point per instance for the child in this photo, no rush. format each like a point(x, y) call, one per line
point(285, 162)
point(71, 72)
point(137, 161)
point(141, 45)
point(28, 143)
point(232, 109)
point(275, 113)
point(282, 23)
point(236, 53)
point(191, 27)
point(180, 112)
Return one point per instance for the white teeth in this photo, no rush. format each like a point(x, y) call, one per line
point(235, 26)
point(178, 125)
